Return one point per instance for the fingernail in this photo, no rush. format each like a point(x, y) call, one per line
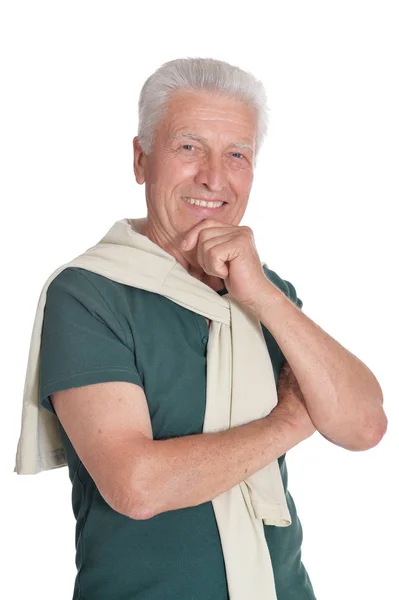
point(183, 244)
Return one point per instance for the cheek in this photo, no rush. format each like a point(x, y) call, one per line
point(179, 172)
point(168, 174)
point(242, 183)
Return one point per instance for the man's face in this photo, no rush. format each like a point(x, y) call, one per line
point(197, 154)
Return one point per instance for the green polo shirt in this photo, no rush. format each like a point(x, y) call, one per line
point(97, 330)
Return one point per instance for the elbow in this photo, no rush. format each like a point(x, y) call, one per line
point(375, 433)
point(131, 495)
point(133, 503)
point(365, 438)
point(141, 512)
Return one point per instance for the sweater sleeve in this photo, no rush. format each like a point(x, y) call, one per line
point(83, 340)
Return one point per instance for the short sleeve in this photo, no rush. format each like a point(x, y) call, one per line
point(292, 294)
point(83, 340)
point(283, 285)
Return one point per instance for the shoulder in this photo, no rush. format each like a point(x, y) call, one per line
point(87, 287)
point(83, 297)
point(76, 278)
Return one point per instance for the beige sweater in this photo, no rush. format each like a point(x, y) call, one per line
point(240, 388)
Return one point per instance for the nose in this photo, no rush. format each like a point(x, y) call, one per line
point(212, 173)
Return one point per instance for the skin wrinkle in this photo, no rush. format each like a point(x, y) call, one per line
point(193, 136)
point(210, 170)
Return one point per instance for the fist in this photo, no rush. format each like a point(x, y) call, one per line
point(229, 253)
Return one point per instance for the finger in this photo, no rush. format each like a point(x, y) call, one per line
point(217, 257)
point(209, 239)
point(191, 238)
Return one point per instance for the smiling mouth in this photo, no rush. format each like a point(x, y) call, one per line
point(203, 204)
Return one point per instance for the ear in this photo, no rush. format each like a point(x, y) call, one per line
point(139, 158)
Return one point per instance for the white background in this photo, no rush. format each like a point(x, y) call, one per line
point(322, 209)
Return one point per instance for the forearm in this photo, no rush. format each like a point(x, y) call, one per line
point(342, 396)
point(187, 471)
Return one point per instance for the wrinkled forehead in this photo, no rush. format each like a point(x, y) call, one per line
point(197, 116)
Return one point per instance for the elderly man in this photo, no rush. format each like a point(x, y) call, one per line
point(125, 369)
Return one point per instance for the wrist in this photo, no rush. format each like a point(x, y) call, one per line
point(269, 297)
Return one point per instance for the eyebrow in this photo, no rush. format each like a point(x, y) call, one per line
point(200, 138)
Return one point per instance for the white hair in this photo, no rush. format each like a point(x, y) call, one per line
point(194, 74)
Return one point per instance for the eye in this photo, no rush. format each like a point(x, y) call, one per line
point(235, 153)
point(188, 146)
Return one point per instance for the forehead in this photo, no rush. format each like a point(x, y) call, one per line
point(208, 112)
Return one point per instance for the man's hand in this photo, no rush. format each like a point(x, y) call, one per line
point(291, 404)
point(228, 252)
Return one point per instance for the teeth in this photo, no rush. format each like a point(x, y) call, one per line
point(203, 203)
